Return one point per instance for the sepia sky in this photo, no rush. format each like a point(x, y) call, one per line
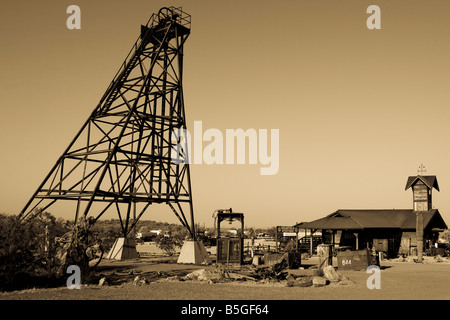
point(357, 110)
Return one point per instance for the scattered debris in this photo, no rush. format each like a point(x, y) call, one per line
point(319, 281)
point(331, 274)
point(103, 282)
point(204, 275)
point(426, 259)
point(140, 280)
point(277, 273)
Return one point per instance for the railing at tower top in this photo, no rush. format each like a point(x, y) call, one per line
point(176, 14)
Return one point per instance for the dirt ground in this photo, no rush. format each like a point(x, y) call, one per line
point(406, 280)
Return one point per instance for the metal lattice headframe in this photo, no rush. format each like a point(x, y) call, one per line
point(122, 156)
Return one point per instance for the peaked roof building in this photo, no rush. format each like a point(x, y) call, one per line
point(375, 219)
point(395, 228)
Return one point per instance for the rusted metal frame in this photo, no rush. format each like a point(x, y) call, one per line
point(84, 169)
point(90, 160)
point(158, 120)
point(132, 82)
point(154, 133)
point(165, 69)
point(173, 52)
point(163, 74)
point(82, 155)
point(112, 181)
point(181, 101)
point(105, 150)
point(178, 181)
point(142, 65)
point(93, 173)
point(129, 152)
point(62, 179)
point(120, 217)
point(138, 217)
point(109, 113)
point(107, 163)
point(120, 189)
point(142, 180)
point(105, 135)
point(119, 72)
point(169, 181)
point(142, 176)
point(146, 106)
point(117, 173)
point(163, 111)
point(126, 164)
point(131, 87)
point(127, 219)
point(165, 143)
point(191, 228)
point(54, 176)
point(133, 167)
point(24, 216)
point(48, 205)
point(128, 182)
point(103, 211)
point(153, 160)
point(125, 73)
point(61, 174)
point(181, 178)
point(118, 81)
point(136, 117)
point(183, 222)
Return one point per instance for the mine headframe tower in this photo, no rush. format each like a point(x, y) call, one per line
point(128, 153)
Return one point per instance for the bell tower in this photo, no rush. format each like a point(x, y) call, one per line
point(422, 186)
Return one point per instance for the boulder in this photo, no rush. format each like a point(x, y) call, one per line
point(331, 274)
point(203, 275)
point(319, 281)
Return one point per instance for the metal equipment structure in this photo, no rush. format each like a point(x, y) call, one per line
point(128, 154)
point(229, 249)
point(285, 236)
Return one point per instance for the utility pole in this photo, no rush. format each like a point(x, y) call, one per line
point(419, 235)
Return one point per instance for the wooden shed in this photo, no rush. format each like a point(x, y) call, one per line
point(392, 231)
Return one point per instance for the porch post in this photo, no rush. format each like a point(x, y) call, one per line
point(357, 240)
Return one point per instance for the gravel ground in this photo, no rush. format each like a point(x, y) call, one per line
point(202, 299)
point(399, 280)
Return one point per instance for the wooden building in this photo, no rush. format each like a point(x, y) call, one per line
point(392, 231)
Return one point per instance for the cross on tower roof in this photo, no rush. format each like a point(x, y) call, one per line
point(421, 169)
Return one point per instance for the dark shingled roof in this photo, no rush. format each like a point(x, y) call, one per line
point(369, 219)
point(430, 182)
